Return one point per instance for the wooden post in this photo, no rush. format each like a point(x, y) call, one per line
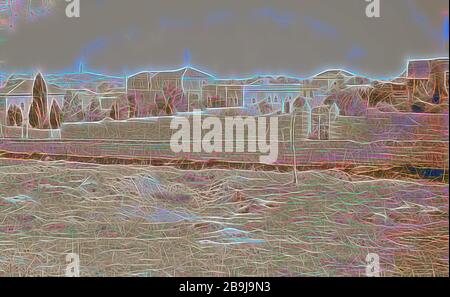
point(293, 111)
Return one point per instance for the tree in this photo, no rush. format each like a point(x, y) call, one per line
point(38, 110)
point(264, 107)
point(94, 113)
point(171, 100)
point(72, 110)
point(14, 116)
point(352, 102)
point(55, 116)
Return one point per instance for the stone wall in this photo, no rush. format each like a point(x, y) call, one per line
point(378, 126)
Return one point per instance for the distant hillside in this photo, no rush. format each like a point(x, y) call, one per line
point(85, 80)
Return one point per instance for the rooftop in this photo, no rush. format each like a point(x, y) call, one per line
point(25, 88)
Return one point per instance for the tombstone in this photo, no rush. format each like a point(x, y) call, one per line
point(302, 113)
point(321, 123)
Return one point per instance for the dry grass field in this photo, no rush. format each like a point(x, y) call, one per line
point(161, 221)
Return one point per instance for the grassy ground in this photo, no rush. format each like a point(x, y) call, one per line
point(144, 221)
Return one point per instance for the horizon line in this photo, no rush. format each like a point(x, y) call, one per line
point(254, 76)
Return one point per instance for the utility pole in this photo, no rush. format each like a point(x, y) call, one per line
point(1, 85)
point(293, 118)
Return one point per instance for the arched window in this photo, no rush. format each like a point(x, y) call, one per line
point(114, 114)
point(209, 103)
point(287, 107)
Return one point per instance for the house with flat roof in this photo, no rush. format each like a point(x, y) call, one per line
point(277, 96)
point(149, 92)
point(223, 96)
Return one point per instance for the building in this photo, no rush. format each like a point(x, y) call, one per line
point(79, 104)
point(427, 80)
point(113, 100)
point(150, 92)
point(31, 103)
point(222, 96)
point(139, 94)
point(315, 123)
point(394, 93)
point(277, 97)
point(419, 70)
point(335, 80)
point(322, 120)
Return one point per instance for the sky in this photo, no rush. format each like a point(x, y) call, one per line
point(229, 38)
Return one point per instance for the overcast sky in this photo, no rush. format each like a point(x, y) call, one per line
point(231, 38)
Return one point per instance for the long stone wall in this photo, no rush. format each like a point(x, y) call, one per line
point(374, 127)
point(158, 129)
point(380, 139)
point(392, 126)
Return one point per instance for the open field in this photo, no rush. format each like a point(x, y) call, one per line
point(160, 221)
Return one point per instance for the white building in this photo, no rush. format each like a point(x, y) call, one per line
point(278, 96)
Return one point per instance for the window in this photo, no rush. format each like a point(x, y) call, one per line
point(275, 99)
point(216, 102)
point(269, 100)
point(254, 100)
point(287, 107)
point(138, 84)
